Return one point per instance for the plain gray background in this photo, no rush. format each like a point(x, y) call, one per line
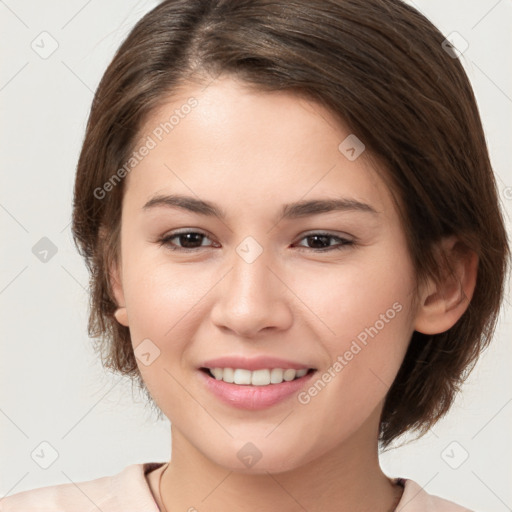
point(52, 386)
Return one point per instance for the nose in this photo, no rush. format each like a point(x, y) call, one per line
point(252, 298)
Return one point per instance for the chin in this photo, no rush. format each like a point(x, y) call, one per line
point(250, 460)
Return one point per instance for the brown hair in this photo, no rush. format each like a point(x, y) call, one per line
point(381, 67)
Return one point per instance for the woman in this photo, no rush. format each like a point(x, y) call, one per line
point(296, 248)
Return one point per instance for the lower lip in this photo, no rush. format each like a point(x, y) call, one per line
point(254, 397)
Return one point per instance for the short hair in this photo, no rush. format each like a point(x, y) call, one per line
point(386, 73)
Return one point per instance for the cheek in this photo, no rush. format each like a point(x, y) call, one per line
point(352, 296)
point(160, 295)
point(164, 306)
point(364, 319)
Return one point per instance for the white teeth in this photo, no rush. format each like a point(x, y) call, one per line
point(257, 377)
point(228, 375)
point(276, 376)
point(217, 373)
point(242, 376)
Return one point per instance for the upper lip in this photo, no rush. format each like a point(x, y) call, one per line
point(253, 363)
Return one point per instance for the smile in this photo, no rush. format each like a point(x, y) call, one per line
point(263, 377)
point(261, 394)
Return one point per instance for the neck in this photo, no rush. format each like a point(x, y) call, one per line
point(347, 478)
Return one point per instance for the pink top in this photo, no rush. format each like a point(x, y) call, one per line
point(129, 491)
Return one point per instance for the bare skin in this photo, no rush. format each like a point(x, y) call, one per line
point(250, 153)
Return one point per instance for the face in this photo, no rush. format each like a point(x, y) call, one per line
point(298, 255)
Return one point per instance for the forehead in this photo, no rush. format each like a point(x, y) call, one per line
point(225, 137)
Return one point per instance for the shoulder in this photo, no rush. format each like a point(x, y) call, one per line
point(127, 491)
point(416, 499)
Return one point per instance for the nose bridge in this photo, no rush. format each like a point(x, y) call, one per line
point(251, 297)
point(251, 280)
point(250, 272)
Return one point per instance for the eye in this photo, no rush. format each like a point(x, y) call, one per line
point(187, 241)
point(322, 242)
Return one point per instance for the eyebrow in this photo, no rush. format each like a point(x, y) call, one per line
point(295, 210)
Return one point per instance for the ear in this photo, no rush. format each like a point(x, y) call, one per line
point(442, 304)
point(117, 288)
point(115, 283)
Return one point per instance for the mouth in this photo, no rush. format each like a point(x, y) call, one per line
point(257, 389)
point(260, 377)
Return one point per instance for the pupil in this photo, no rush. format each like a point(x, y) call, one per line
point(189, 239)
point(324, 239)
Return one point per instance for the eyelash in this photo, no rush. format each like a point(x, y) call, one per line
point(343, 242)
